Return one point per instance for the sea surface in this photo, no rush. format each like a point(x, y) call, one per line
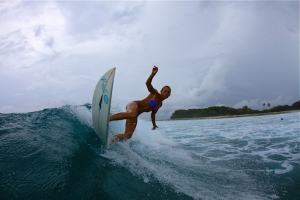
point(55, 154)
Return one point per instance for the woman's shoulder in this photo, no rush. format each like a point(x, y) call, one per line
point(152, 96)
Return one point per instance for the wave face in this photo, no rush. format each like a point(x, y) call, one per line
point(55, 154)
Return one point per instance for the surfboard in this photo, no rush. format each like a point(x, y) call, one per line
point(101, 104)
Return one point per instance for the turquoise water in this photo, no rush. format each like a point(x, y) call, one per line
point(55, 154)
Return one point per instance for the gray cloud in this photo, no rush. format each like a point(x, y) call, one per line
point(210, 53)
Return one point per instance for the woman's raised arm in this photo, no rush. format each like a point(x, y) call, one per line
point(149, 80)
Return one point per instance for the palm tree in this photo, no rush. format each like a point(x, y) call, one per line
point(269, 105)
point(264, 104)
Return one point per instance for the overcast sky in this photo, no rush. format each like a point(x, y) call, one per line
point(233, 53)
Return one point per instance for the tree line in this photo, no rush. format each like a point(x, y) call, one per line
point(215, 111)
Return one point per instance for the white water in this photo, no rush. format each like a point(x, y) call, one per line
point(232, 158)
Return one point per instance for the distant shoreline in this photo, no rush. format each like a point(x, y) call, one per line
point(232, 116)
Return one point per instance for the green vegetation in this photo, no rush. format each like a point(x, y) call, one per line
point(226, 111)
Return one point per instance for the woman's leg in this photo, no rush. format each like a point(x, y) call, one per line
point(131, 121)
point(129, 129)
point(132, 110)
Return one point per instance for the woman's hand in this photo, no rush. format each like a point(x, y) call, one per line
point(154, 70)
point(154, 127)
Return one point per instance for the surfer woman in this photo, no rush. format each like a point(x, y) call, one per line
point(151, 103)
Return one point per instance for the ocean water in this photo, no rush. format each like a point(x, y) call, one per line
point(55, 154)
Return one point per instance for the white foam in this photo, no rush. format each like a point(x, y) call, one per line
point(181, 154)
point(286, 168)
point(82, 113)
point(153, 155)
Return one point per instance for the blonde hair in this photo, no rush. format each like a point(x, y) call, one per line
point(164, 87)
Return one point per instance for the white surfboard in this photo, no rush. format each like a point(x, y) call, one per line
point(101, 104)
